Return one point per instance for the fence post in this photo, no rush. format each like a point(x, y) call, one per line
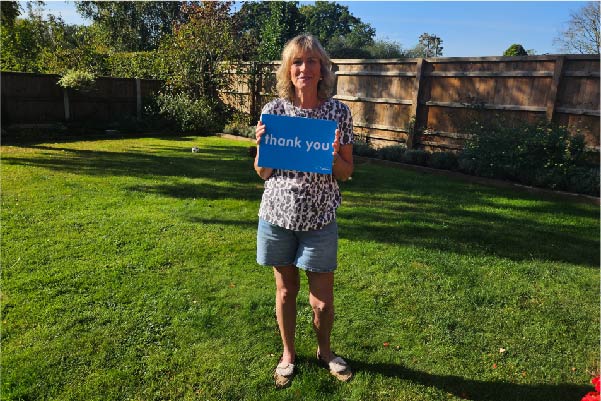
point(138, 99)
point(415, 104)
point(552, 94)
point(252, 88)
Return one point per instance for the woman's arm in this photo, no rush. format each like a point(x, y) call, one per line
point(264, 172)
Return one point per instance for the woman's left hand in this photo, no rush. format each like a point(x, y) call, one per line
point(336, 146)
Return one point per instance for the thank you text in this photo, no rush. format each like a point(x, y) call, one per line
point(297, 143)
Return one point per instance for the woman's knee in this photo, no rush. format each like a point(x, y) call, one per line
point(287, 292)
point(322, 307)
point(287, 282)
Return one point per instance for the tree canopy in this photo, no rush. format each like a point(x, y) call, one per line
point(515, 50)
point(582, 34)
point(133, 25)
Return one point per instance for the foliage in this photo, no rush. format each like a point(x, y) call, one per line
point(542, 154)
point(416, 156)
point(190, 115)
point(35, 44)
point(364, 149)
point(196, 50)
point(133, 25)
point(385, 50)
point(393, 153)
point(428, 46)
point(583, 32)
point(443, 160)
point(77, 80)
point(240, 123)
point(147, 65)
point(333, 24)
point(515, 50)
point(9, 11)
point(249, 21)
point(283, 22)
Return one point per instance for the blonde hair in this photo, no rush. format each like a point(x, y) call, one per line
point(304, 43)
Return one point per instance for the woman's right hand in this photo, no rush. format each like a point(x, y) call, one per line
point(264, 172)
point(259, 131)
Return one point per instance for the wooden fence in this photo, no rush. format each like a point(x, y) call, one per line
point(37, 99)
point(427, 103)
point(420, 103)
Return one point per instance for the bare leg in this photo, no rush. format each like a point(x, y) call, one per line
point(321, 298)
point(287, 283)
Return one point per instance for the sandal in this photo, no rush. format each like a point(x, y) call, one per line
point(338, 367)
point(283, 374)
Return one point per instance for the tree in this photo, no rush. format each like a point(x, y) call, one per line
point(428, 46)
point(582, 33)
point(515, 50)
point(46, 45)
point(133, 25)
point(336, 28)
point(385, 49)
point(196, 49)
point(283, 23)
point(9, 11)
point(249, 21)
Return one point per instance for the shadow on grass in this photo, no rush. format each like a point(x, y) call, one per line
point(474, 389)
point(381, 204)
point(221, 163)
point(30, 139)
point(452, 216)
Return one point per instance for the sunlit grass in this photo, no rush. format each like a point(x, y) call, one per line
point(128, 272)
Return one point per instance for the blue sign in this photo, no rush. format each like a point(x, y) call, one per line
point(297, 143)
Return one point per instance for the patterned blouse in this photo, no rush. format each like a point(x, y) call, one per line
point(304, 201)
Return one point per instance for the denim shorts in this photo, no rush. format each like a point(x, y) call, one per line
point(314, 250)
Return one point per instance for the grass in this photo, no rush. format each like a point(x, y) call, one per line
point(128, 273)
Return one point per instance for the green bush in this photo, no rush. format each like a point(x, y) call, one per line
point(541, 154)
point(416, 156)
point(393, 153)
point(146, 65)
point(190, 115)
point(443, 160)
point(77, 80)
point(364, 149)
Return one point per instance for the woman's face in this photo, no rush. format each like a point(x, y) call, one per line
point(305, 70)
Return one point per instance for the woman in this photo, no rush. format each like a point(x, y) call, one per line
point(297, 218)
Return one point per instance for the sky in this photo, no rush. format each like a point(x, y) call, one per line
point(467, 28)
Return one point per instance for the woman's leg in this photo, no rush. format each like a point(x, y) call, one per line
point(287, 282)
point(321, 298)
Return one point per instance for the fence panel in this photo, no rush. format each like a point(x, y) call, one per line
point(422, 103)
point(37, 98)
point(427, 103)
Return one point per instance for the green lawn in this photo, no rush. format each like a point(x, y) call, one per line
point(128, 273)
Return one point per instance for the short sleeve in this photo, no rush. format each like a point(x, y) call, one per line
point(345, 124)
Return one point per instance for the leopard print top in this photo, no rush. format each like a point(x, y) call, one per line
point(304, 201)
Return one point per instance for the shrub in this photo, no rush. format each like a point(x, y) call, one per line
point(147, 65)
point(584, 180)
point(364, 149)
point(515, 50)
point(443, 160)
point(416, 156)
point(77, 80)
point(542, 154)
point(190, 115)
point(239, 124)
point(393, 153)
